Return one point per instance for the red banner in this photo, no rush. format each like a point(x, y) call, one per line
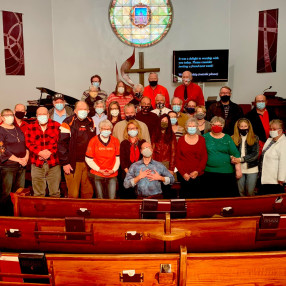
point(267, 41)
point(13, 43)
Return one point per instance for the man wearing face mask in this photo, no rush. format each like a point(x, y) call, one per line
point(188, 90)
point(60, 111)
point(260, 116)
point(161, 108)
point(95, 81)
point(147, 174)
point(130, 114)
point(20, 112)
point(42, 142)
point(146, 116)
point(154, 88)
point(75, 133)
point(176, 105)
point(226, 109)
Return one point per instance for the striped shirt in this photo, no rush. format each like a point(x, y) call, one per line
point(122, 101)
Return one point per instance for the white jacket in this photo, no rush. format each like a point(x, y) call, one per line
point(274, 162)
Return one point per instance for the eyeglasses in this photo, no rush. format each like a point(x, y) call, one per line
point(224, 93)
point(219, 125)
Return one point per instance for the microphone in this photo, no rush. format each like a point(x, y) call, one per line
point(267, 88)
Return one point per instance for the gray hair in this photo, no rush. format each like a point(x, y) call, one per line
point(99, 102)
point(181, 101)
point(218, 119)
point(191, 120)
point(138, 85)
point(277, 122)
point(105, 123)
point(128, 105)
point(160, 95)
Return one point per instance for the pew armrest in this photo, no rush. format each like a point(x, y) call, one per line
point(168, 237)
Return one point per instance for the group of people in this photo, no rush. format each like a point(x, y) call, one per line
point(128, 143)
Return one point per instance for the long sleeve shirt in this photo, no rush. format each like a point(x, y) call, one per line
point(144, 187)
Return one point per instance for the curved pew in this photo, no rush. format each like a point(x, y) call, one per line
point(232, 269)
point(29, 206)
point(71, 235)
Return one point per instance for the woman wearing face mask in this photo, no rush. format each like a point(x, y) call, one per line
point(121, 96)
point(248, 145)
point(13, 159)
point(191, 159)
point(113, 112)
point(130, 153)
point(220, 174)
point(164, 147)
point(178, 130)
point(102, 156)
point(99, 114)
point(273, 160)
point(203, 125)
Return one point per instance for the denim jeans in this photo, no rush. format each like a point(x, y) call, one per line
point(12, 178)
point(103, 184)
point(246, 184)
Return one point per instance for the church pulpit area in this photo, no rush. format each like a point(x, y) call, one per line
point(225, 241)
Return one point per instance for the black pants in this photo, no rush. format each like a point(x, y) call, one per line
point(219, 185)
point(192, 189)
point(267, 189)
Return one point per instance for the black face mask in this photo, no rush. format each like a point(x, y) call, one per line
point(190, 110)
point(160, 105)
point(225, 98)
point(153, 83)
point(130, 117)
point(138, 95)
point(243, 132)
point(20, 114)
point(146, 109)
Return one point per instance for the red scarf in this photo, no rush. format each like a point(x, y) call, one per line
point(134, 151)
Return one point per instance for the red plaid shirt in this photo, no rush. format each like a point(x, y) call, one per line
point(37, 140)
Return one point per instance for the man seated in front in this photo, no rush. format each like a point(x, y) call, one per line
point(147, 174)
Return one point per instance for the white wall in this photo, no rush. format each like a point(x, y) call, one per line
point(84, 43)
point(38, 49)
point(67, 41)
point(245, 81)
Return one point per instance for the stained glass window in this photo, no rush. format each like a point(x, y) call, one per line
point(140, 23)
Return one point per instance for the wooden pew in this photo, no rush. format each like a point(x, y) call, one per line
point(27, 206)
point(108, 269)
point(220, 269)
point(237, 269)
point(143, 236)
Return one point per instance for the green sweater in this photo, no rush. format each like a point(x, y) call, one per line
point(219, 152)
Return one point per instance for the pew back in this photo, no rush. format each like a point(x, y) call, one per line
point(27, 206)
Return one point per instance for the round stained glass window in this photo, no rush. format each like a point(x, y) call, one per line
point(140, 23)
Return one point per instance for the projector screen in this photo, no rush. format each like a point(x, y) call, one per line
point(205, 65)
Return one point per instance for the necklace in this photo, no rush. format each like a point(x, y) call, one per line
point(202, 123)
point(17, 135)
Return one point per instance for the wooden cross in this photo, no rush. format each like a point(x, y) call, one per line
point(141, 69)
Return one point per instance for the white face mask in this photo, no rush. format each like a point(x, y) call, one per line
point(114, 112)
point(273, 133)
point(120, 90)
point(147, 152)
point(9, 119)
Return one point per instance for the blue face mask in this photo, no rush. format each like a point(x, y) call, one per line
point(82, 114)
point(99, 110)
point(59, 106)
point(173, 121)
point(192, 130)
point(96, 83)
point(176, 108)
point(43, 119)
point(105, 133)
point(132, 133)
point(260, 105)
